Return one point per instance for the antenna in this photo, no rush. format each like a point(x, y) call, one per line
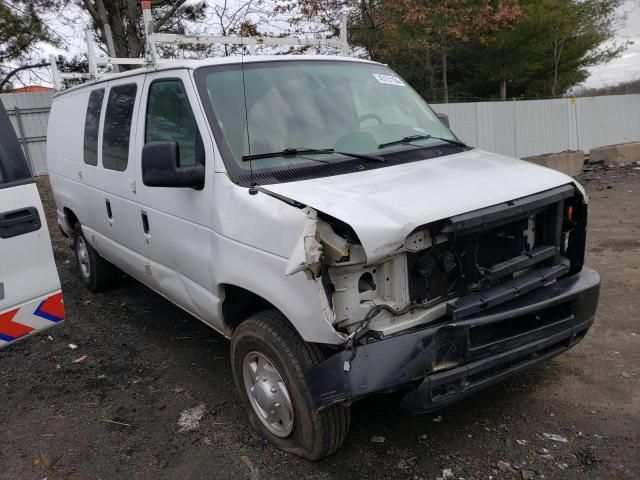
point(253, 190)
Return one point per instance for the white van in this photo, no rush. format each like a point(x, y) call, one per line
point(30, 295)
point(319, 214)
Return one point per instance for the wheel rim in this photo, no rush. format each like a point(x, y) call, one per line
point(268, 394)
point(82, 253)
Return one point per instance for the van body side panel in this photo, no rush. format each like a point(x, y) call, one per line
point(71, 179)
point(180, 240)
point(127, 248)
point(255, 235)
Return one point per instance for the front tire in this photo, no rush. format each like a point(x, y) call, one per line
point(96, 273)
point(269, 361)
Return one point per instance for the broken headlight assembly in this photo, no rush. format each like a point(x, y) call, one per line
point(452, 268)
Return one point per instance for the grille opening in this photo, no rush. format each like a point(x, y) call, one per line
point(516, 362)
point(494, 332)
point(460, 385)
point(483, 256)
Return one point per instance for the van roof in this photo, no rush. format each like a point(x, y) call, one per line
point(193, 64)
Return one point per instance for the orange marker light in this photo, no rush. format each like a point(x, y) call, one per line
point(570, 212)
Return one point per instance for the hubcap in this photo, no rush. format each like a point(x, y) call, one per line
point(82, 253)
point(268, 394)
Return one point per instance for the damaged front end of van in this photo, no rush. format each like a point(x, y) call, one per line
point(460, 304)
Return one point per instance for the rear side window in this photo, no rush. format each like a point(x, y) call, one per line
point(170, 118)
point(91, 127)
point(117, 127)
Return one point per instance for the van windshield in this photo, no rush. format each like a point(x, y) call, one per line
point(354, 107)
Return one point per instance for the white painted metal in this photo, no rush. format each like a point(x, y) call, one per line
point(91, 55)
point(26, 257)
point(27, 268)
point(201, 241)
point(198, 240)
point(385, 205)
point(234, 40)
point(535, 127)
point(182, 210)
point(151, 53)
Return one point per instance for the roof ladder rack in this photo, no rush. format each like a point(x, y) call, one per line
point(152, 58)
point(251, 42)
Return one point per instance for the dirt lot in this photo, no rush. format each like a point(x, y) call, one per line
point(115, 414)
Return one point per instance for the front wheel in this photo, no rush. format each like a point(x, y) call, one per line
point(269, 361)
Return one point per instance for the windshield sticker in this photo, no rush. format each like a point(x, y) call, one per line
point(388, 79)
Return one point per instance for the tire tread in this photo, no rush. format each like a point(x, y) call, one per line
point(332, 422)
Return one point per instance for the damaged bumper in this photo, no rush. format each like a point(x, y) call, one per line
point(442, 363)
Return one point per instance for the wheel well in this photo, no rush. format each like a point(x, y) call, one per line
point(72, 220)
point(239, 304)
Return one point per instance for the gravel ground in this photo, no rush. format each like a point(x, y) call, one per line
point(115, 415)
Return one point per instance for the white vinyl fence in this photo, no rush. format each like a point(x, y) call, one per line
point(535, 127)
point(29, 113)
point(515, 128)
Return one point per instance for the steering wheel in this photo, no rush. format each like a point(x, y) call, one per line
point(370, 116)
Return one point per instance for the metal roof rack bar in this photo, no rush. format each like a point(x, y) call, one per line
point(152, 39)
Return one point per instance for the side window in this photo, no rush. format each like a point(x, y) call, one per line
point(91, 126)
point(117, 127)
point(170, 119)
point(13, 165)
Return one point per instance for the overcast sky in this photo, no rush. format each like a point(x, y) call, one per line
point(624, 68)
point(627, 66)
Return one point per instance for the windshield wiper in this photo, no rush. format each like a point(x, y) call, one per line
point(413, 138)
point(293, 152)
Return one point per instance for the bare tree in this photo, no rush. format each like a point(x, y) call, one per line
point(118, 23)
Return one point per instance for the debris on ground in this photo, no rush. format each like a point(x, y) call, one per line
point(377, 439)
point(527, 474)
point(55, 397)
point(521, 442)
point(437, 419)
point(447, 473)
point(73, 346)
point(555, 437)
point(190, 418)
point(81, 359)
point(505, 467)
point(625, 375)
point(116, 422)
point(253, 470)
point(544, 453)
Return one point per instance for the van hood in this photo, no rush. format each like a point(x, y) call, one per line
point(385, 205)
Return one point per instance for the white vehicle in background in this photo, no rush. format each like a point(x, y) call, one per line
point(30, 295)
point(319, 214)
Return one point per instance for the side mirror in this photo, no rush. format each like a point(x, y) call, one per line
point(444, 118)
point(160, 162)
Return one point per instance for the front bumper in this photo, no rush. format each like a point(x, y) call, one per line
point(442, 363)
